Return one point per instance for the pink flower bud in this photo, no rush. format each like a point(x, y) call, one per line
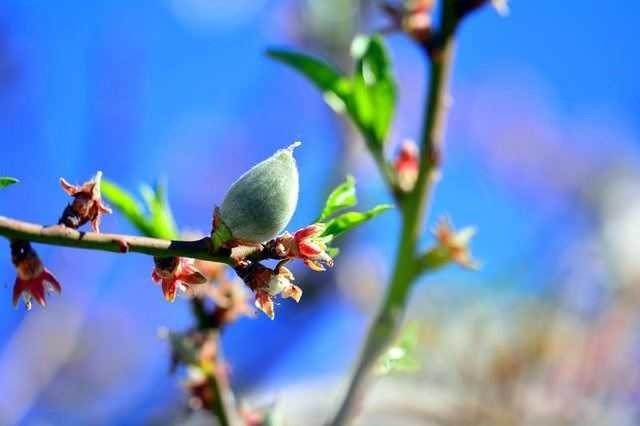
point(407, 165)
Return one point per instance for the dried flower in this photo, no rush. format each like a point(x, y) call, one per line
point(407, 165)
point(260, 203)
point(87, 205)
point(280, 283)
point(33, 279)
point(175, 273)
point(267, 283)
point(456, 243)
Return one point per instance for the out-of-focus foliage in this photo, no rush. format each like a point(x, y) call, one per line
point(154, 221)
point(368, 96)
point(6, 181)
point(401, 356)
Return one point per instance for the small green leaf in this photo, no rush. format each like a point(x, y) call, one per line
point(126, 204)
point(6, 181)
point(342, 197)
point(160, 213)
point(350, 220)
point(400, 357)
point(156, 222)
point(335, 87)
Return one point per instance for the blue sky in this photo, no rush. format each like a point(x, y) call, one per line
point(156, 90)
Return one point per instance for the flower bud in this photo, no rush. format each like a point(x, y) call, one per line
point(262, 201)
point(407, 165)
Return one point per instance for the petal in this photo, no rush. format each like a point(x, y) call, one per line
point(36, 288)
point(18, 288)
point(308, 231)
point(264, 302)
point(68, 188)
point(326, 259)
point(309, 248)
point(95, 223)
point(316, 266)
point(154, 276)
point(48, 277)
point(286, 273)
point(293, 291)
point(103, 207)
point(169, 289)
point(191, 275)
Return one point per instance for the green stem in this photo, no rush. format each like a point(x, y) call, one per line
point(223, 407)
point(389, 318)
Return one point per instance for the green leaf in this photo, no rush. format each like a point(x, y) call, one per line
point(156, 222)
point(369, 97)
point(160, 213)
point(350, 220)
point(373, 99)
point(126, 204)
point(335, 87)
point(342, 197)
point(400, 357)
point(6, 181)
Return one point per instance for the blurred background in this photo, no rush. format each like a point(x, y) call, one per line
point(541, 155)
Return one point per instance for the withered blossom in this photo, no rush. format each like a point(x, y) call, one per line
point(175, 273)
point(33, 280)
point(456, 242)
point(87, 205)
point(280, 283)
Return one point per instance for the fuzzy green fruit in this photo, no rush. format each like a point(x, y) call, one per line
point(262, 201)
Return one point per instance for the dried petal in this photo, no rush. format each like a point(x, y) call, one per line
point(264, 302)
point(292, 291)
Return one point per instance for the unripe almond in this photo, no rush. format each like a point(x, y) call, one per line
point(262, 201)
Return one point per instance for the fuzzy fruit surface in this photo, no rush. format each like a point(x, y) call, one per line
point(262, 201)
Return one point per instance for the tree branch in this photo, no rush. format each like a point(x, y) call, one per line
point(62, 236)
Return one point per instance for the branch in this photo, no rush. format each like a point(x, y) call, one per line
point(413, 206)
point(62, 236)
point(386, 174)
